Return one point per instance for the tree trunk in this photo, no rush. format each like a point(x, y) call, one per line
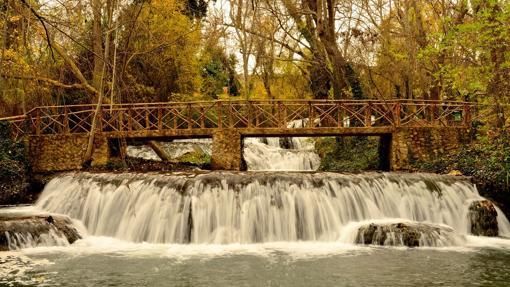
point(159, 150)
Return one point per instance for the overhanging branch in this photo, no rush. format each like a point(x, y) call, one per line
point(43, 79)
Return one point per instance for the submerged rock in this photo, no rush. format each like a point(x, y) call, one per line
point(411, 234)
point(483, 217)
point(34, 230)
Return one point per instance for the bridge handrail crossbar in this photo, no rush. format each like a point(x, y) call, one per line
point(127, 119)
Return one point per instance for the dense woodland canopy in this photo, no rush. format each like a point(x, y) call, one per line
point(85, 51)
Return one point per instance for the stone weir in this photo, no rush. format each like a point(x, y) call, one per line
point(254, 207)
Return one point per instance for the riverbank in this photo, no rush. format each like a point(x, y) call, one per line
point(486, 160)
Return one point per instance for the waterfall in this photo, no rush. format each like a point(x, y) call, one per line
point(284, 153)
point(297, 154)
point(252, 207)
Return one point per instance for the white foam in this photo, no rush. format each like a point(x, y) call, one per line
point(225, 208)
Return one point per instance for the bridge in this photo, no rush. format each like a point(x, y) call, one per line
point(57, 135)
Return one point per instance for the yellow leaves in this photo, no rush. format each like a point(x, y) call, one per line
point(14, 62)
point(15, 18)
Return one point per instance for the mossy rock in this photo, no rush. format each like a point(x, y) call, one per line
point(196, 157)
point(35, 227)
point(483, 218)
point(410, 234)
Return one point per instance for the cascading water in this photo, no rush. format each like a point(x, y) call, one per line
point(288, 154)
point(297, 154)
point(224, 207)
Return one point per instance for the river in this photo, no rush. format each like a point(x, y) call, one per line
point(272, 226)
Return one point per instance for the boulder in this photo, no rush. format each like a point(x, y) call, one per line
point(483, 218)
point(410, 234)
point(34, 230)
point(195, 157)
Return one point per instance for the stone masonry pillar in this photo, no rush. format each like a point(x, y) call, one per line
point(410, 145)
point(227, 150)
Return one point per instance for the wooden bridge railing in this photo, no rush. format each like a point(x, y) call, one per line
point(126, 119)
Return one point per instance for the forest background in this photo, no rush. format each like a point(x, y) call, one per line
point(60, 52)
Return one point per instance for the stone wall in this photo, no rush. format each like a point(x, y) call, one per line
point(410, 145)
point(64, 152)
point(227, 151)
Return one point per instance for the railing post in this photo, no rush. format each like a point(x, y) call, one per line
point(66, 120)
point(278, 114)
point(174, 111)
point(310, 114)
point(284, 115)
point(160, 119)
point(38, 121)
point(368, 113)
point(257, 118)
point(339, 114)
point(249, 116)
point(202, 118)
point(190, 115)
point(147, 121)
point(230, 123)
point(397, 114)
point(121, 118)
point(220, 115)
point(130, 119)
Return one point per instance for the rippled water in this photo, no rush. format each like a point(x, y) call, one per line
point(103, 262)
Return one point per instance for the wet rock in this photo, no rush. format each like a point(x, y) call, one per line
point(286, 143)
point(33, 230)
point(483, 218)
point(411, 234)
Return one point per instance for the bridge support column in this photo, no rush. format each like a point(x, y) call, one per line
point(424, 144)
point(65, 152)
point(227, 151)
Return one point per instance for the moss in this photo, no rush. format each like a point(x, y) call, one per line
point(353, 154)
point(196, 157)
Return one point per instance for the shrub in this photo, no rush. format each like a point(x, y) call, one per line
point(13, 162)
point(352, 154)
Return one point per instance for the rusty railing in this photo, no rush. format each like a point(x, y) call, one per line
point(203, 117)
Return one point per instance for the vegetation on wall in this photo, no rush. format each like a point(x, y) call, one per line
point(13, 162)
point(348, 154)
point(486, 159)
point(13, 169)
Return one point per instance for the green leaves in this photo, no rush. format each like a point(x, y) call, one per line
point(13, 162)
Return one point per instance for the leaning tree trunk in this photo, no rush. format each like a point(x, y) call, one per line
point(98, 79)
point(97, 74)
point(159, 150)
